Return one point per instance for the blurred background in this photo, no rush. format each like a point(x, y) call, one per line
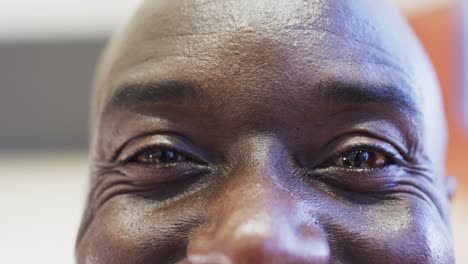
point(48, 50)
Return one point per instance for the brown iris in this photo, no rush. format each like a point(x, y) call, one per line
point(160, 156)
point(362, 159)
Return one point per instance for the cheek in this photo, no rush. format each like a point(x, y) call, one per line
point(392, 231)
point(130, 229)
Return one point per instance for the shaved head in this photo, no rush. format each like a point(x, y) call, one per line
point(303, 131)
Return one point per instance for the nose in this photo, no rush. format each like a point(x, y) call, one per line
point(256, 221)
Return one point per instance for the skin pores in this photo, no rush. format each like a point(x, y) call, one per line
point(266, 132)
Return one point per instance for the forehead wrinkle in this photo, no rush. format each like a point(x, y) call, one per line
point(193, 17)
point(220, 28)
point(263, 14)
point(206, 28)
point(351, 65)
point(319, 24)
point(341, 43)
point(377, 55)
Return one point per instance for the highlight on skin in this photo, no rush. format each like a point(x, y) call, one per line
point(266, 132)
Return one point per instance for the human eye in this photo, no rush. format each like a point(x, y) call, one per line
point(160, 158)
point(360, 164)
point(158, 155)
point(158, 150)
point(360, 153)
point(364, 157)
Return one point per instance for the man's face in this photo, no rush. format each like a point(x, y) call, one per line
point(266, 132)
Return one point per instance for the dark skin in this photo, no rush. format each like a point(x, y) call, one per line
point(266, 132)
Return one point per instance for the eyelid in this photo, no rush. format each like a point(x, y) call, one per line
point(144, 149)
point(369, 135)
point(346, 148)
point(139, 145)
point(371, 147)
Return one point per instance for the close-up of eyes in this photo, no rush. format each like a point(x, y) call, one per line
point(365, 165)
point(363, 156)
point(364, 159)
point(355, 157)
point(161, 158)
point(159, 150)
point(158, 156)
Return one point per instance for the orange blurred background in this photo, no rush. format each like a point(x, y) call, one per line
point(43, 145)
point(439, 30)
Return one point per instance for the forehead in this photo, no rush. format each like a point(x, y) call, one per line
point(254, 41)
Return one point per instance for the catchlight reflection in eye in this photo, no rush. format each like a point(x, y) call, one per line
point(160, 155)
point(362, 159)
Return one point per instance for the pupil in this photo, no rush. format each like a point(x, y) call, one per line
point(347, 162)
point(162, 156)
point(360, 157)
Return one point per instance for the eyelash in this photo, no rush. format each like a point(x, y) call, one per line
point(394, 158)
point(133, 157)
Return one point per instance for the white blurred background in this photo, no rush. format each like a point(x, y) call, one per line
point(48, 50)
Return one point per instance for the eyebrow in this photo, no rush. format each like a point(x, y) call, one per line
point(169, 91)
point(341, 92)
point(357, 93)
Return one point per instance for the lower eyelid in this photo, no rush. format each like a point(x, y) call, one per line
point(155, 173)
point(160, 193)
point(375, 179)
point(382, 172)
point(349, 169)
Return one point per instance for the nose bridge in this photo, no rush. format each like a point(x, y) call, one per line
point(255, 193)
point(258, 153)
point(254, 219)
point(256, 185)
